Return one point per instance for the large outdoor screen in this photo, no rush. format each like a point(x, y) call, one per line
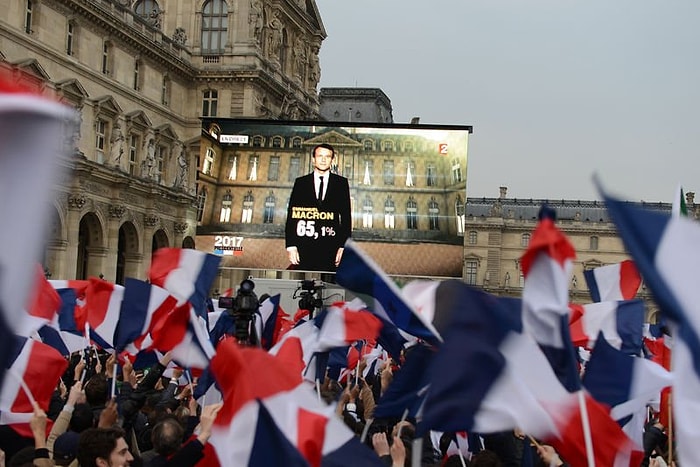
point(406, 186)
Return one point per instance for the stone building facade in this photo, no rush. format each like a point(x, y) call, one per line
point(355, 105)
point(141, 74)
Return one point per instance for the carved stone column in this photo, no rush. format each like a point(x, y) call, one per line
point(76, 201)
point(116, 212)
point(180, 229)
point(150, 221)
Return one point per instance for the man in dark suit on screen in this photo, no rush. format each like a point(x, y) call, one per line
point(318, 215)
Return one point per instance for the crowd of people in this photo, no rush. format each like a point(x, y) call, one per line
point(153, 420)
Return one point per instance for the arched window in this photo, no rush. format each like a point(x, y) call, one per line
point(269, 212)
point(247, 214)
point(367, 209)
point(433, 215)
point(411, 214)
point(368, 144)
point(214, 26)
point(389, 213)
point(226, 208)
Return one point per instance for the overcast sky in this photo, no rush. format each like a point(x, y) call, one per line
point(556, 90)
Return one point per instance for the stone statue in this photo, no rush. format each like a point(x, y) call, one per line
point(183, 168)
point(256, 19)
point(149, 149)
point(154, 18)
point(299, 52)
point(180, 36)
point(314, 68)
point(274, 38)
point(116, 145)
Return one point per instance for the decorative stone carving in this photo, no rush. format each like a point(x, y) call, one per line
point(181, 227)
point(76, 201)
point(116, 211)
point(150, 220)
point(180, 36)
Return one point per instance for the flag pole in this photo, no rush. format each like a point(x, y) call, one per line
point(114, 379)
point(586, 429)
point(24, 386)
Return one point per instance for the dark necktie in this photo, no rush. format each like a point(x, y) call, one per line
point(320, 190)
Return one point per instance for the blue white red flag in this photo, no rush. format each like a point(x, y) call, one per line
point(613, 282)
point(547, 265)
point(621, 322)
point(187, 274)
point(103, 303)
point(358, 273)
point(665, 249)
point(62, 333)
point(38, 367)
point(343, 325)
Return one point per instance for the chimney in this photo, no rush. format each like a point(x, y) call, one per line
point(504, 190)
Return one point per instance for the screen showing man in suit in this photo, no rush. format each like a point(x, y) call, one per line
point(318, 215)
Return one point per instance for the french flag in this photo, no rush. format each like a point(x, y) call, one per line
point(489, 376)
point(666, 251)
point(306, 337)
point(621, 322)
point(547, 265)
point(358, 273)
point(42, 307)
point(187, 337)
point(63, 333)
point(341, 325)
point(187, 274)
point(142, 304)
point(268, 325)
point(37, 366)
point(103, 304)
point(29, 165)
point(613, 282)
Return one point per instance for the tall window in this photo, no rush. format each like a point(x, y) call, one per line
point(347, 170)
point(459, 214)
point(226, 202)
point(208, 161)
point(253, 162)
point(273, 172)
point(593, 243)
point(100, 136)
point(201, 202)
point(367, 177)
point(367, 209)
point(456, 171)
point(137, 74)
point(389, 214)
point(294, 166)
point(525, 240)
point(410, 170)
point(28, 12)
point(472, 237)
point(388, 172)
point(247, 214)
point(160, 163)
point(133, 154)
point(210, 100)
point(269, 211)
point(433, 215)
point(106, 51)
point(233, 171)
point(214, 19)
point(70, 38)
point(470, 269)
point(411, 214)
point(165, 91)
point(431, 175)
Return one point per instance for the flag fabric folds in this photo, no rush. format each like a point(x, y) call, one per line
point(187, 274)
point(613, 282)
point(358, 273)
point(621, 323)
point(666, 252)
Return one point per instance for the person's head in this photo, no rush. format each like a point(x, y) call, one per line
point(65, 448)
point(96, 390)
point(82, 418)
point(167, 436)
point(323, 156)
point(103, 447)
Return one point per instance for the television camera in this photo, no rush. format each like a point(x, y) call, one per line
point(308, 294)
point(242, 308)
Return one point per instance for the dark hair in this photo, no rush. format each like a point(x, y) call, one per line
point(167, 436)
point(96, 390)
point(324, 146)
point(97, 443)
point(82, 418)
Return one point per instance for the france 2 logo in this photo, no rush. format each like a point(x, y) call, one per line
point(442, 149)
